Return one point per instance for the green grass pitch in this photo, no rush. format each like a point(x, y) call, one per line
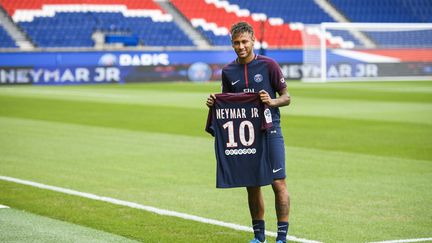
point(359, 163)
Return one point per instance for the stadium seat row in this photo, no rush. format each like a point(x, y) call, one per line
point(278, 23)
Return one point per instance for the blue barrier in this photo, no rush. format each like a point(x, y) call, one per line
point(133, 58)
point(68, 68)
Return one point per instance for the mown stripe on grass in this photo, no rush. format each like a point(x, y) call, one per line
point(377, 92)
point(146, 208)
point(368, 108)
point(409, 140)
point(371, 91)
point(404, 240)
point(21, 226)
point(124, 221)
point(133, 97)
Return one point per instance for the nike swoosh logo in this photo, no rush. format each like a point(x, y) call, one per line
point(233, 83)
point(274, 171)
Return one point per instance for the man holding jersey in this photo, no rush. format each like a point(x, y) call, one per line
point(252, 73)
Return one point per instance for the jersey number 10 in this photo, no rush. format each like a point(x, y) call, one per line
point(243, 126)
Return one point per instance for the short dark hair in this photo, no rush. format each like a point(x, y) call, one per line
point(241, 27)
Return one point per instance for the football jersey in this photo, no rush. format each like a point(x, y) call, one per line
point(238, 121)
point(261, 73)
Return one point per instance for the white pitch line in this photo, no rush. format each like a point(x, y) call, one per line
point(3, 206)
point(403, 241)
point(148, 208)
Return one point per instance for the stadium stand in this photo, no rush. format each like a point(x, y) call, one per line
point(278, 23)
point(218, 16)
point(59, 23)
point(412, 39)
point(307, 12)
point(386, 11)
point(213, 18)
point(5, 40)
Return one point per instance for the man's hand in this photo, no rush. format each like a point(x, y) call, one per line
point(210, 100)
point(266, 99)
point(283, 99)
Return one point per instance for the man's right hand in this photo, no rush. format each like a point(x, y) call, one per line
point(210, 100)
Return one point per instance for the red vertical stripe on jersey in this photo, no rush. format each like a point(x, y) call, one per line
point(246, 75)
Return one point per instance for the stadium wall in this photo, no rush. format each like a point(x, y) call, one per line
point(90, 67)
point(66, 68)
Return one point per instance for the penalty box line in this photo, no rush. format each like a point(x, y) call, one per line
point(147, 208)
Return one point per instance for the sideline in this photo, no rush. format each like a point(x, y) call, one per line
point(148, 208)
point(3, 206)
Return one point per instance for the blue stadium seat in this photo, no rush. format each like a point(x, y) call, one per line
point(5, 40)
point(416, 39)
point(387, 11)
point(216, 40)
point(75, 29)
point(304, 11)
point(347, 36)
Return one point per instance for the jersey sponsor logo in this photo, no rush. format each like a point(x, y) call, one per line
point(258, 78)
point(240, 151)
point(247, 90)
point(233, 83)
point(267, 115)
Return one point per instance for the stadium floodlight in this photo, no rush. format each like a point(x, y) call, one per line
point(367, 51)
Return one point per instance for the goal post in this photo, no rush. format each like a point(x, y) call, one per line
point(368, 51)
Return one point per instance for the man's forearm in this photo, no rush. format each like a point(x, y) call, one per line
point(282, 100)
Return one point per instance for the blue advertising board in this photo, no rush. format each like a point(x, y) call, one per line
point(58, 68)
point(133, 58)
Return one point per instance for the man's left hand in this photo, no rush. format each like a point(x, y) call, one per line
point(265, 98)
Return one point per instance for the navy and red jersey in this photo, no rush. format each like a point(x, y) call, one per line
point(238, 121)
point(261, 73)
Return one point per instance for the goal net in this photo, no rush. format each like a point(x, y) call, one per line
point(367, 51)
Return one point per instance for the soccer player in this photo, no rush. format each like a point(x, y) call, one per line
point(250, 72)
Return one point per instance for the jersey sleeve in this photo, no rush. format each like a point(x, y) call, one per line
point(276, 77)
point(209, 125)
point(225, 83)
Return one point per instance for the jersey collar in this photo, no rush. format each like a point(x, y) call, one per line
point(237, 61)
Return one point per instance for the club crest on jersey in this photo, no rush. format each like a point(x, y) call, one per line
point(267, 115)
point(258, 78)
point(282, 80)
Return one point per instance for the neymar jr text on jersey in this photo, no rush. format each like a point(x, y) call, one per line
point(236, 113)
